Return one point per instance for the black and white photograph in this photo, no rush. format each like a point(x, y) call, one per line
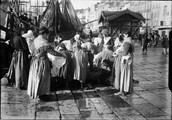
point(85, 59)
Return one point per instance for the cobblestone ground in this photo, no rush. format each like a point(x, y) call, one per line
point(151, 99)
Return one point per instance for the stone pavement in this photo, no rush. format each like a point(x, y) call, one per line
point(151, 99)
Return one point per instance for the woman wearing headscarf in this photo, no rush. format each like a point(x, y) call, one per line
point(107, 40)
point(29, 39)
point(19, 67)
point(80, 63)
point(116, 69)
point(40, 71)
point(98, 41)
point(126, 78)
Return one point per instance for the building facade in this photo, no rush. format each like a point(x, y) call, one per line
point(32, 7)
point(158, 14)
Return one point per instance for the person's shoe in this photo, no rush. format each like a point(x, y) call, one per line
point(118, 93)
point(126, 93)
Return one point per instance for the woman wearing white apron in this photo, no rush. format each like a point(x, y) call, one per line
point(40, 71)
point(126, 78)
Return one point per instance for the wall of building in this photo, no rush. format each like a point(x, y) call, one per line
point(158, 14)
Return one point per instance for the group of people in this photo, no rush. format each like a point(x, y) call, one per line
point(152, 39)
point(36, 61)
point(117, 56)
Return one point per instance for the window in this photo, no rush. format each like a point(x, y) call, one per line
point(165, 11)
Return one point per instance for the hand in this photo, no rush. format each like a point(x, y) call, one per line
point(30, 55)
point(7, 42)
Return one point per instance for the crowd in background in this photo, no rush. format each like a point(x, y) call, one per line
point(152, 39)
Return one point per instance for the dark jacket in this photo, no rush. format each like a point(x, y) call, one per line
point(20, 44)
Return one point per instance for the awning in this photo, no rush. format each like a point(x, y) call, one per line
point(112, 15)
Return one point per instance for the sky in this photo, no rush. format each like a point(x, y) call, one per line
point(77, 4)
point(82, 4)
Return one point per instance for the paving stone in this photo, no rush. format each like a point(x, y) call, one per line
point(127, 111)
point(92, 94)
point(110, 117)
point(48, 115)
point(141, 92)
point(115, 101)
point(148, 110)
point(17, 111)
point(135, 101)
point(68, 107)
point(166, 95)
point(137, 88)
point(168, 110)
point(155, 100)
point(132, 118)
point(160, 118)
point(103, 108)
point(90, 114)
point(47, 106)
point(85, 104)
point(149, 86)
point(71, 117)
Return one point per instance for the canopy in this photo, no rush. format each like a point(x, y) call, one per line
point(118, 22)
point(107, 16)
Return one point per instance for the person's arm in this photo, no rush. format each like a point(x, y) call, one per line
point(98, 58)
point(110, 43)
point(111, 58)
point(24, 44)
point(51, 51)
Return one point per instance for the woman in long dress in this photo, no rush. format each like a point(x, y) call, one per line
point(80, 63)
point(116, 69)
point(126, 78)
point(40, 71)
point(107, 40)
point(19, 67)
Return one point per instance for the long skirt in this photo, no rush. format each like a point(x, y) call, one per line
point(126, 81)
point(80, 62)
point(116, 72)
point(39, 77)
point(19, 69)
